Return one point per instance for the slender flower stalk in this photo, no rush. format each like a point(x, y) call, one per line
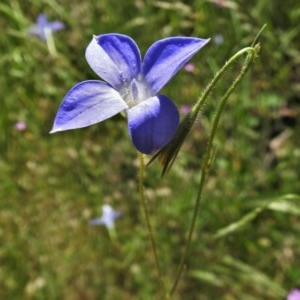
point(50, 43)
point(251, 55)
point(167, 154)
point(147, 219)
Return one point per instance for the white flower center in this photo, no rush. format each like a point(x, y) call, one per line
point(135, 92)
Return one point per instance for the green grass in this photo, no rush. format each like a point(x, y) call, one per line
point(51, 185)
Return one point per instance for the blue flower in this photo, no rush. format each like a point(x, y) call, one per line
point(131, 86)
point(43, 28)
point(108, 217)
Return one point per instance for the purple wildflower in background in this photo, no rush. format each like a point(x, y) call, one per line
point(108, 217)
point(43, 28)
point(293, 295)
point(185, 108)
point(131, 86)
point(20, 126)
point(190, 68)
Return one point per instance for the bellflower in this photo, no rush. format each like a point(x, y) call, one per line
point(131, 86)
point(108, 217)
point(43, 27)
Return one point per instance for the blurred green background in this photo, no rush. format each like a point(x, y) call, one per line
point(51, 185)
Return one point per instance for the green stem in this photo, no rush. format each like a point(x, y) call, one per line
point(167, 155)
point(206, 162)
point(216, 78)
point(50, 43)
point(148, 224)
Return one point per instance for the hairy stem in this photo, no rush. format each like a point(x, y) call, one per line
point(148, 224)
point(208, 154)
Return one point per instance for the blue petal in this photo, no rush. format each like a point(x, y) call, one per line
point(97, 221)
point(56, 25)
point(42, 20)
point(115, 58)
point(38, 31)
point(165, 58)
point(87, 103)
point(152, 123)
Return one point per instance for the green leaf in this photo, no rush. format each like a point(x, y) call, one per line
point(283, 203)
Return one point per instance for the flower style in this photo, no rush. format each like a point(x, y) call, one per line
point(131, 86)
point(108, 217)
point(43, 28)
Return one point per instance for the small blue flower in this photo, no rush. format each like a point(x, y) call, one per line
point(42, 28)
point(131, 86)
point(218, 39)
point(108, 217)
